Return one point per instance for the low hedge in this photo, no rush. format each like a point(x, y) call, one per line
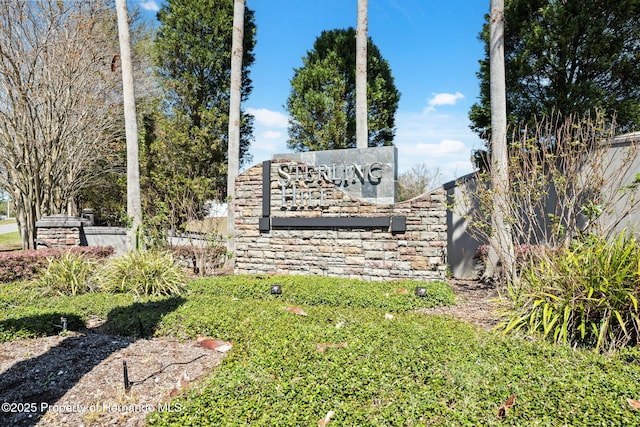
point(24, 265)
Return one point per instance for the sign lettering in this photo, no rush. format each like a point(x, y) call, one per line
point(300, 184)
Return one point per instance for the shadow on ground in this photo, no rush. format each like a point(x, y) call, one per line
point(33, 385)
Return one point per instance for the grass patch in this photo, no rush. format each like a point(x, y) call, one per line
point(404, 369)
point(10, 241)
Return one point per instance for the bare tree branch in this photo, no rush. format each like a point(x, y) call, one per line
point(57, 103)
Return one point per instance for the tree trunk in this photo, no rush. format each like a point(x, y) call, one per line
point(24, 213)
point(362, 132)
point(233, 155)
point(134, 204)
point(501, 243)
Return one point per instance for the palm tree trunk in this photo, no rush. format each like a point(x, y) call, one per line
point(501, 242)
point(233, 156)
point(134, 204)
point(362, 137)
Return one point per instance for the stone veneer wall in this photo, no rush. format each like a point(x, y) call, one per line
point(369, 253)
point(58, 231)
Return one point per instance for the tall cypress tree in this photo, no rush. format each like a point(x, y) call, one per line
point(323, 96)
point(193, 61)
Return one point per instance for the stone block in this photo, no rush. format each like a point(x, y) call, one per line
point(354, 260)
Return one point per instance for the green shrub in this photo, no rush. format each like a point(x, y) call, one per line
point(586, 295)
point(148, 273)
point(71, 274)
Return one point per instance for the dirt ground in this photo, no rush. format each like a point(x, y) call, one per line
point(475, 303)
point(78, 379)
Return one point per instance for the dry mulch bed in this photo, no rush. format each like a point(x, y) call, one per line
point(78, 379)
point(475, 303)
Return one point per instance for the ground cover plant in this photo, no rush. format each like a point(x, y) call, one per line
point(377, 365)
point(357, 349)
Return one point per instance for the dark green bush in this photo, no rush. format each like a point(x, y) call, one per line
point(583, 295)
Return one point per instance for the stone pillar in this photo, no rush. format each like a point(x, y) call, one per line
point(59, 231)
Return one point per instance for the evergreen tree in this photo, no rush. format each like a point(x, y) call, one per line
point(193, 60)
point(323, 96)
point(566, 57)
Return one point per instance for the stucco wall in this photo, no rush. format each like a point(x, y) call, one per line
point(617, 166)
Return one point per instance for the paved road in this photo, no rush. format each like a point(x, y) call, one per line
point(8, 228)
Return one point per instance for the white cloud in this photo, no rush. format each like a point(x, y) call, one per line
point(269, 118)
point(447, 147)
point(150, 5)
point(443, 99)
point(441, 141)
point(272, 134)
point(264, 148)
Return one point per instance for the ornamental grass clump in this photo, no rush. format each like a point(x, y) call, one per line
point(586, 294)
point(70, 274)
point(144, 273)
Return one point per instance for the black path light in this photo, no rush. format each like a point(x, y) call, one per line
point(421, 291)
point(125, 372)
point(276, 289)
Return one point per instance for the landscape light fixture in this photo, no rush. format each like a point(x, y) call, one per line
point(125, 374)
point(421, 291)
point(276, 289)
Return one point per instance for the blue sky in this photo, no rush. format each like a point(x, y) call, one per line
point(432, 48)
